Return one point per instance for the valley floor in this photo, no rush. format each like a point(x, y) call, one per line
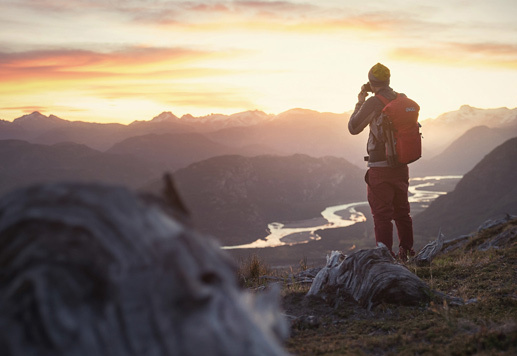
point(485, 325)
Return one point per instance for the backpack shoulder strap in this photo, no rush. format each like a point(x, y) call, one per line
point(384, 100)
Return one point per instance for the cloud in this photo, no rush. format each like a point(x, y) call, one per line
point(25, 109)
point(171, 76)
point(253, 16)
point(85, 58)
point(231, 13)
point(41, 109)
point(491, 49)
point(164, 76)
point(84, 64)
point(281, 16)
point(496, 55)
point(265, 15)
point(210, 15)
point(59, 6)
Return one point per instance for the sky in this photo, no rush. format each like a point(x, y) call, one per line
point(126, 60)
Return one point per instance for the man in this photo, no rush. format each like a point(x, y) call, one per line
point(387, 186)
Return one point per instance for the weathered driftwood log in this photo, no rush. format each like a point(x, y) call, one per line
point(97, 270)
point(440, 245)
point(427, 254)
point(455, 243)
point(490, 223)
point(369, 277)
point(504, 238)
point(430, 251)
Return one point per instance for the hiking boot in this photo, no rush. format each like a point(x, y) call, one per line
point(405, 254)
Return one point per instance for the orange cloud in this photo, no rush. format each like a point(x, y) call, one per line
point(159, 75)
point(62, 60)
point(462, 54)
point(491, 49)
point(83, 64)
point(41, 109)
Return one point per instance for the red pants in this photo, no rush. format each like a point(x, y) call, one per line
point(388, 199)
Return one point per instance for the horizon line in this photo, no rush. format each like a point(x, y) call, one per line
point(45, 112)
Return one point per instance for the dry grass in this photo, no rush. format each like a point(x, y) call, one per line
point(252, 271)
point(485, 325)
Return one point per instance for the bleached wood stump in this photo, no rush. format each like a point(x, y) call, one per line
point(426, 255)
point(440, 245)
point(98, 270)
point(369, 277)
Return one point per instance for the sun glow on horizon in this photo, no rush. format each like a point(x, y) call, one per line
point(132, 60)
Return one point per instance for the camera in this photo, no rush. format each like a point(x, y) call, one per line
point(366, 87)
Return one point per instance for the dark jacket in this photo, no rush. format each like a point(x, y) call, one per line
point(368, 113)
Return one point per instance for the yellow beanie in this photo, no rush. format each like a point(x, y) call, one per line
point(379, 75)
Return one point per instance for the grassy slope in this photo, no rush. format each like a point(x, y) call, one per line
point(486, 326)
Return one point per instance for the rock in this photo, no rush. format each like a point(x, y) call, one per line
point(98, 270)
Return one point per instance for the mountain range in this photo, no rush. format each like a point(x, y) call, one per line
point(38, 128)
point(254, 132)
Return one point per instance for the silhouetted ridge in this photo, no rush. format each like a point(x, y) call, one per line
point(487, 191)
point(464, 153)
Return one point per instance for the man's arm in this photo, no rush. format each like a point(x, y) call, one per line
point(364, 113)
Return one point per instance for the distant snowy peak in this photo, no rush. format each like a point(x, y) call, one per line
point(35, 115)
point(299, 111)
point(246, 118)
point(37, 120)
point(469, 115)
point(165, 116)
point(188, 117)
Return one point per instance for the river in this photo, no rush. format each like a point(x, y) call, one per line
point(422, 192)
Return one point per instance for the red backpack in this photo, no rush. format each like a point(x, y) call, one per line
point(401, 130)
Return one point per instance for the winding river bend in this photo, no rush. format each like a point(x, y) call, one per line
point(422, 192)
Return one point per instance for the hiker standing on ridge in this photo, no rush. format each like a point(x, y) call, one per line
point(387, 185)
